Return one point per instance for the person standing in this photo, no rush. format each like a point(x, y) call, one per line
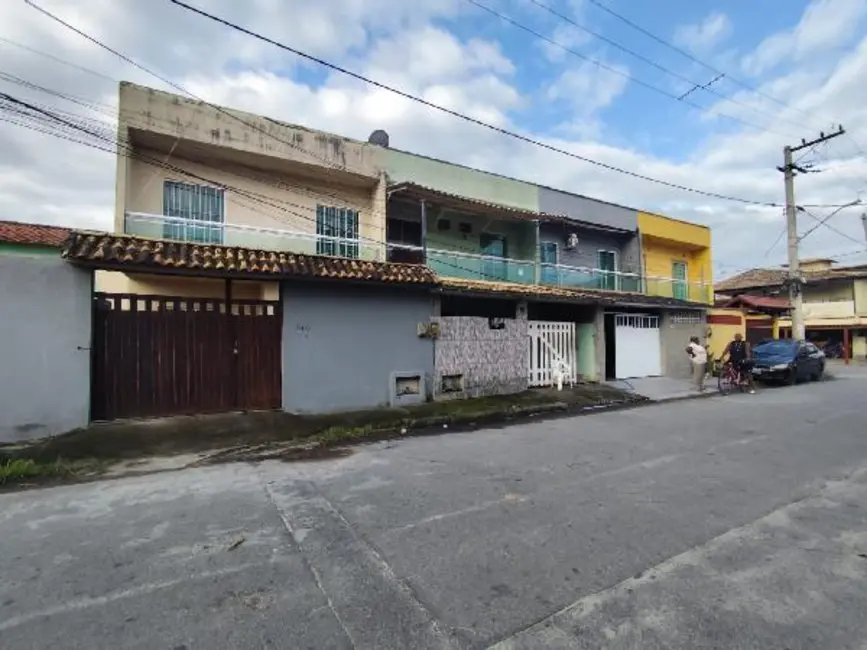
point(698, 356)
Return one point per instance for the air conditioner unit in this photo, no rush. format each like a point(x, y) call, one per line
point(572, 241)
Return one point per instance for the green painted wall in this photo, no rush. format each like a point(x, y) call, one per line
point(27, 249)
point(471, 183)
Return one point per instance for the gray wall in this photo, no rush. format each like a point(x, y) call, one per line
point(590, 241)
point(585, 209)
point(45, 329)
point(675, 338)
point(343, 344)
point(490, 361)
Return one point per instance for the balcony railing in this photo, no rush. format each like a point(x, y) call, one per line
point(288, 241)
point(480, 267)
point(455, 264)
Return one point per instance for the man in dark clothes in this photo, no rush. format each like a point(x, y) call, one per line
point(740, 355)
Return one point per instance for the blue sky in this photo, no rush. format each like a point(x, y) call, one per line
point(810, 54)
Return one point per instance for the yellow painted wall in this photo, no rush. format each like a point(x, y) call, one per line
point(828, 293)
point(664, 241)
point(720, 335)
point(164, 285)
point(656, 225)
point(861, 297)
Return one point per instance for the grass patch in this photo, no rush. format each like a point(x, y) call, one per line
point(14, 471)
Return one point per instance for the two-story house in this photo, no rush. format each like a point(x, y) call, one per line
point(194, 172)
point(504, 235)
point(834, 302)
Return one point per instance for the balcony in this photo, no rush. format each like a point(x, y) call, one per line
point(223, 234)
point(444, 263)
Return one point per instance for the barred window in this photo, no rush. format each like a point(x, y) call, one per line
point(337, 230)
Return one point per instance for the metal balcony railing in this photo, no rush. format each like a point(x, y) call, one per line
point(445, 263)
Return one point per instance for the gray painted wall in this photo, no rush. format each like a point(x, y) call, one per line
point(589, 242)
point(490, 361)
point(342, 345)
point(585, 209)
point(45, 329)
point(675, 338)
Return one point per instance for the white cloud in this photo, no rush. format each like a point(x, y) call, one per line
point(50, 180)
point(706, 35)
point(825, 25)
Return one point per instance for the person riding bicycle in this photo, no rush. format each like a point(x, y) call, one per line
point(740, 354)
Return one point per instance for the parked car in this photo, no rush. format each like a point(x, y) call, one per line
point(787, 361)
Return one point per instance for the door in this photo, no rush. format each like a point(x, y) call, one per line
point(637, 346)
point(679, 287)
point(548, 257)
point(606, 262)
point(493, 246)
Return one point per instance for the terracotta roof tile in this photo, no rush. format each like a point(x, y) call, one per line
point(112, 251)
point(587, 296)
point(761, 278)
point(16, 232)
point(758, 302)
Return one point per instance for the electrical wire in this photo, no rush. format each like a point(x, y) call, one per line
point(695, 85)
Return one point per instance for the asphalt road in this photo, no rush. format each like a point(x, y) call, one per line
point(737, 522)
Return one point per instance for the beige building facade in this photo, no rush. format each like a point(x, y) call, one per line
point(199, 173)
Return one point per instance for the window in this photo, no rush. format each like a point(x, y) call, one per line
point(494, 246)
point(606, 262)
point(201, 207)
point(679, 286)
point(548, 258)
point(687, 318)
point(337, 230)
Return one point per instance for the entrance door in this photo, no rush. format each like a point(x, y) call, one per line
point(548, 258)
point(679, 287)
point(637, 346)
point(606, 262)
point(493, 246)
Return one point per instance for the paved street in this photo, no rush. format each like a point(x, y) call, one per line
point(736, 522)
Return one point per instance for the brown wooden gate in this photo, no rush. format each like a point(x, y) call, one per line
point(162, 355)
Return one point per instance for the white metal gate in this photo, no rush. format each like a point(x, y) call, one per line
point(637, 346)
point(551, 344)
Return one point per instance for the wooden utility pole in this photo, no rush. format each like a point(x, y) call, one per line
point(789, 169)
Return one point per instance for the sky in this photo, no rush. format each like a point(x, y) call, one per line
point(585, 81)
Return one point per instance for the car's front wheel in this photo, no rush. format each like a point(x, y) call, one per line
point(819, 374)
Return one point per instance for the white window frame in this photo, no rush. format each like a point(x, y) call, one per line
point(616, 255)
point(204, 224)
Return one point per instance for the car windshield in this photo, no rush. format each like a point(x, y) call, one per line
point(775, 347)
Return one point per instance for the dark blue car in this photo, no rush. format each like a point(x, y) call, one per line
point(787, 361)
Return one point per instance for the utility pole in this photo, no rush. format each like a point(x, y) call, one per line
point(789, 169)
point(864, 223)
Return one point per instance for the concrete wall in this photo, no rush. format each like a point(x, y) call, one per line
point(159, 112)
point(723, 324)
point(830, 292)
point(343, 344)
point(463, 181)
point(675, 337)
point(174, 285)
point(291, 203)
point(586, 209)
point(489, 361)
point(590, 242)
point(45, 330)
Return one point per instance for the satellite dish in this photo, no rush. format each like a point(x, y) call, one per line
point(379, 138)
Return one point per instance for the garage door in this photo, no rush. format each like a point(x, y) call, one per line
point(637, 346)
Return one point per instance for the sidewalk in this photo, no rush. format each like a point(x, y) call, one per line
point(661, 389)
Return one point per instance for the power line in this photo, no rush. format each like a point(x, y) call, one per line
point(651, 62)
point(604, 66)
point(130, 153)
point(466, 118)
point(692, 58)
point(54, 58)
point(824, 222)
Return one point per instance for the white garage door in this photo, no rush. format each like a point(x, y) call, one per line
point(637, 346)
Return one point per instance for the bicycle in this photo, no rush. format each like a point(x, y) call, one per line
point(730, 378)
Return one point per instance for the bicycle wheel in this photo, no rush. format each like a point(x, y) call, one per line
point(725, 383)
